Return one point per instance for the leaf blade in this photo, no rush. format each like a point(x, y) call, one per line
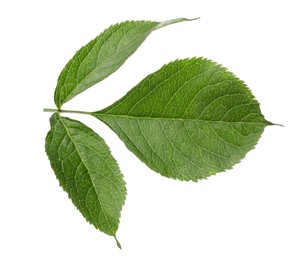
point(102, 56)
point(86, 170)
point(188, 120)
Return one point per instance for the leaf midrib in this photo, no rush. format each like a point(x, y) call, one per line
point(105, 115)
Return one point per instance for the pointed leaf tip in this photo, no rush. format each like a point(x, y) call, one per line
point(117, 242)
point(173, 21)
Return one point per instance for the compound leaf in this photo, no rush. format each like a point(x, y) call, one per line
point(189, 120)
point(102, 56)
point(87, 171)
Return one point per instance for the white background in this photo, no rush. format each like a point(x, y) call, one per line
point(255, 211)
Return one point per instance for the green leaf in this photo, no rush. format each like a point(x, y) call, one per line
point(87, 171)
point(102, 56)
point(188, 120)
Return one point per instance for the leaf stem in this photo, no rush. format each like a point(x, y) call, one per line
point(66, 111)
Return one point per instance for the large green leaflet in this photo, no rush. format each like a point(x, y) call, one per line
point(102, 56)
point(87, 171)
point(188, 120)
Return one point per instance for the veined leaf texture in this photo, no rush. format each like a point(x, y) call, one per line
point(189, 120)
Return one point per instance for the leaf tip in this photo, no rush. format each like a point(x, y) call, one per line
point(272, 124)
point(172, 21)
point(117, 242)
point(192, 19)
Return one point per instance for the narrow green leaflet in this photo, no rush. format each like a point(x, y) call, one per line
point(188, 120)
point(102, 56)
point(87, 171)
